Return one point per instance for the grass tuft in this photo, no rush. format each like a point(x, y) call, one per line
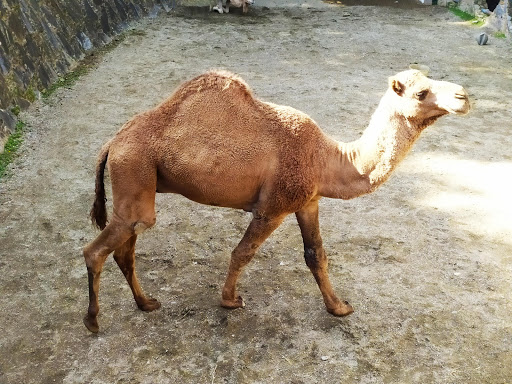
point(11, 147)
point(461, 14)
point(66, 81)
point(476, 21)
point(16, 138)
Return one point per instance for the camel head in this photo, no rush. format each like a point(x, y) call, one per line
point(423, 100)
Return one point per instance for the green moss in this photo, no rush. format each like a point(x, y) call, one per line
point(30, 95)
point(11, 147)
point(16, 139)
point(16, 110)
point(500, 35)
point(68, 80)
point(476, 21)
point(136, 32)
point(461, 14)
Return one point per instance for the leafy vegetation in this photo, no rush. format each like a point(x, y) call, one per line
point(16, 110)
point(69, 79)
point(11, 146)
point(465, 16)
point(461, 14)
point(16, 138)
point(66, 81)
point(30, 94)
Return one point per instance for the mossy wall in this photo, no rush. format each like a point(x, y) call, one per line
point(41, 40)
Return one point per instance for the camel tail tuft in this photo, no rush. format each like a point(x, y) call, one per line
point(98, 211)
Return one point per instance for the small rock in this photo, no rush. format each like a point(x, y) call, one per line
point(482, 39)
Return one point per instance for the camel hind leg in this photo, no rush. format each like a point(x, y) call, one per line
point(118, 237)
point(133, 191)
point(125, 259)
point(113, 236)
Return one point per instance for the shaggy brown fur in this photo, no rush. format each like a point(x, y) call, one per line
point(215, 143)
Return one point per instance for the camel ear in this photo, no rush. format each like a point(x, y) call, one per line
point(396, 86)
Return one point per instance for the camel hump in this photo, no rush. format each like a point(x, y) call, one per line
point(219, 80)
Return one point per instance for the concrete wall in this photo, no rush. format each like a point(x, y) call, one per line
point(42, 39)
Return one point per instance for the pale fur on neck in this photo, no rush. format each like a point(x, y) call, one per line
point(385, 142)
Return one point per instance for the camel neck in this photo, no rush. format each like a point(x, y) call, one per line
point(361, 166)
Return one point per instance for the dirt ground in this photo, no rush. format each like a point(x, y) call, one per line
point(426, 260)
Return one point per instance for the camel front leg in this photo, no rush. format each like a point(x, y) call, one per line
point(316, 259)
point(259, 229)
point(125, 259)
point(219, 8)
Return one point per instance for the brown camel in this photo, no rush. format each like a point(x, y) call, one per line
point(215, 143)
point(244, 4)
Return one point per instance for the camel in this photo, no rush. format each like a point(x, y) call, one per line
point(235, 3)
point(215, 143)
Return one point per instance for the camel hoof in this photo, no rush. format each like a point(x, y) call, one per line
point(149, 305)
point(91, 324)
point(343, 309)
point(233, 304)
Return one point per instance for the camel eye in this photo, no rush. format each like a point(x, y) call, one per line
point(421, 95)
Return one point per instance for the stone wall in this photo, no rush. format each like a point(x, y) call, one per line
point(499, 20)
point(41, 40)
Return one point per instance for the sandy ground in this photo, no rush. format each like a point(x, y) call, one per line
point(426, 261)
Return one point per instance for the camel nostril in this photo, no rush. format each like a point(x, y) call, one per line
point(462, 95)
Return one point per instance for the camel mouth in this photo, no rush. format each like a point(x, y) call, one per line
point(462, 109)
point(460, 105)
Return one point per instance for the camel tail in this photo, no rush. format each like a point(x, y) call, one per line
point(99, 211)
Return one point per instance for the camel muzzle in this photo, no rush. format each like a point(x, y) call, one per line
point(456, 103)
point(463, 96)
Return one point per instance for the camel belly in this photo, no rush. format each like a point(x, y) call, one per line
point(228, 190)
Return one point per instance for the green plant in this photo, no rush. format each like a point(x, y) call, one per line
point(70, 78)
point(16, 110)
point(30, 95)
point(476, 21)
point(500, 35)
point(65, 81)
point(461, 14)
point(11, 147)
